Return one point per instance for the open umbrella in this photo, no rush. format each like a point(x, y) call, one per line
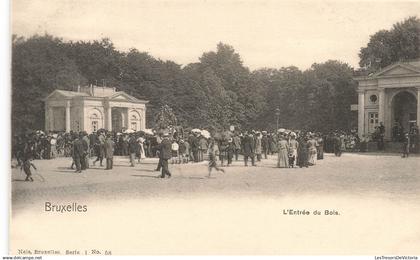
point(148, 131)
point(205, 133)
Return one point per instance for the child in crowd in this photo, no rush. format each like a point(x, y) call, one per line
point(213, 151)
point(26, 166)
point(175, 148)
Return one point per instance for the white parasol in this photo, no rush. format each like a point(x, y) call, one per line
point(148, 131)
point(205, 133)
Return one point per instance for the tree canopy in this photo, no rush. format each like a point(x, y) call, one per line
point(385, 47)
point(215, 92)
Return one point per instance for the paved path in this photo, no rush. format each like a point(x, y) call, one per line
point(130, 211)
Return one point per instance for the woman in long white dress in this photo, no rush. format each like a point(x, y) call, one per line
point(293, 147)
point(283, 149)
point(312, 150)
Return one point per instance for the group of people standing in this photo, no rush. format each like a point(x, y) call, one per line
point(293, 149)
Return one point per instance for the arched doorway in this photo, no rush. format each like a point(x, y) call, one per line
point(96, 120)
point(117, 119)
point(404, 110)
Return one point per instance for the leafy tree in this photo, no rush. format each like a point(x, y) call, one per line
point(385, 47)
point(165, 118)
point(39, 66)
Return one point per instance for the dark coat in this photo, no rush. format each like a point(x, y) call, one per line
point(248, 146)
point(194, 143)
point(133, 145)
point(109, 148)
point(165, 149)
point(78, 148)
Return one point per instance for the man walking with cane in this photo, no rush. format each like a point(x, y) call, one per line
point(165, 155)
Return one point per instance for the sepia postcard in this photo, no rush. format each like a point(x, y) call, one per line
point(210, 127)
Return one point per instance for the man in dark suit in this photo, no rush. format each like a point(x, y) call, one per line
point(109, 152)
point(78, 153)
point(165, 154)
point(248, 149)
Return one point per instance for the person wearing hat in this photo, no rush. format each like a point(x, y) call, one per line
point(303, 151)
point(293, 148)
point(248, 145)
point(406, 146)
point(100, 147)
point(78, 153)
point(165, 153)
point(213, 152)
point(109, 152)
point(230, 150)
point(132, 149)
point(283, 152)
point(86, 145)
point(258, 146)
point(237, 143)
point(265, 145)
point(312, 149)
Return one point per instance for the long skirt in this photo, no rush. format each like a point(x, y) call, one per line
point(312, 156)
point(320, 152)
point(295, 155)
point(302, 160)
point(283, 159)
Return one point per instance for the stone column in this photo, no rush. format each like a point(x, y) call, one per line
point(108, 113)
point(361, 113)
point(418, 107)
point(381, 114)
point(68, 126)
point(51, 119)
point(47, 117)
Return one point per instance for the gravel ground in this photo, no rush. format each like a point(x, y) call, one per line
point(130, 211)
point(352, 174)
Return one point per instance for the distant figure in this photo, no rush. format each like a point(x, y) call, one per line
point(237, 142)
point(258, 146)
point(337, 145)
point(248, 149)
point(303, 153)
point(265, 144)
point(230, 151)
point(165, 154)
point(293, 148)
point(213, 152)
point(26, 166)
point(100, 148)
point(406, 146)
point(381, 132)
point(283, 153)
point(109, 152)
point(132, 149)
point(78, 153)
point(175, 151)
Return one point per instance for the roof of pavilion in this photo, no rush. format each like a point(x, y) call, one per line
point(116, 96)
point(398, 69)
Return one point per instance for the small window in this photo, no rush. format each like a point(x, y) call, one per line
point(373, 117)
point(373, 98)
point(94, 126)
point(134, 126)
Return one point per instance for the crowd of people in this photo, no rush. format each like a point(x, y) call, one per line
point(293, 148)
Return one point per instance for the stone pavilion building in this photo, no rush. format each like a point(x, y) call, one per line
point(91, 108)
point(391, 95)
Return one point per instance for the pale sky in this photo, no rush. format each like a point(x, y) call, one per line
point(265, 33)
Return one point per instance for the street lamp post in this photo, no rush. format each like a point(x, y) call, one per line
point(278, 116)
